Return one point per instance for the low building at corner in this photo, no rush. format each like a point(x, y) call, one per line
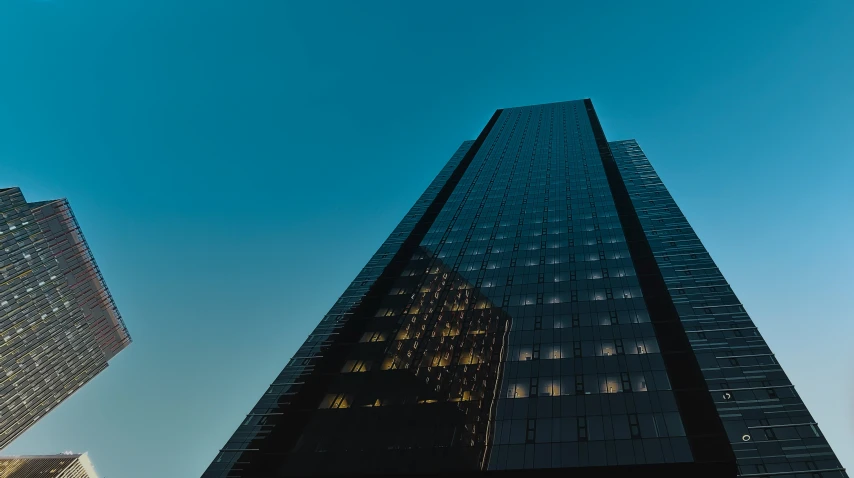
point(66, 465)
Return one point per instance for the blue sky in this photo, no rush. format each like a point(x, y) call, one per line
point(234, 164)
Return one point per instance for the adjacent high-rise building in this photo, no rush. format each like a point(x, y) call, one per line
point(544, 308)
point(67, 465)
point(59, 325)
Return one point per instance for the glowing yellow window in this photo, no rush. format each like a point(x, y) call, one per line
point(610, 385)
point(336, 400)
point(550, 388)
point(355, 366)
point(376, 403)
point(373, 337)
point(517, 390)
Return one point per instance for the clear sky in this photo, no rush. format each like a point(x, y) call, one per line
point(233, 165)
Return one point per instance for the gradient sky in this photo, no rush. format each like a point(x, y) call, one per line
point(233, 165)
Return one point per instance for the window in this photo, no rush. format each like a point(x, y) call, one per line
point(355, 366)
point(373, 337)
point(625, 382)
point(769, 432)
point(379, 402)
point(582, 429)
point(639, 382)
point(609, 385)
point(551, 388)
point(607, 349)
point(517, 390)
point(531, 432)
point(634, 428)
point(336, 400)
point(772, 393)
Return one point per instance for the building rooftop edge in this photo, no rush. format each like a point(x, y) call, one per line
point(59, 455)
point(546, 104)
point(121, 326)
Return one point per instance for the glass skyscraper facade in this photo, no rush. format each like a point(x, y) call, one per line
point(58, 322)
point(544, 307)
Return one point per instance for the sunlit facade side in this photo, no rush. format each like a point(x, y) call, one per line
point(59, 325)
point(768, 426)
point(515, 321)
point(54, 466)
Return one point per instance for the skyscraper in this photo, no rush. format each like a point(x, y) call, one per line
point(544, 307)
point(70, 465)
point(59, 325)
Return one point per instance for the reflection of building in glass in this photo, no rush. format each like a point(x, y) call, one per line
point(527, 315)
point(59, 324)
point(432, 349)
point(52, 466)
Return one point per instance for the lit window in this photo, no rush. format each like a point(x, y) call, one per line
point(550, 388)
point(393, 363)
point(373, 337)
point(450, 331)
point(376, 403)
point(517, 390)
point(610, 385)
point(608, 349)
point(552, 351)
point(336, 400)
point(355, 366)
point(469, 357)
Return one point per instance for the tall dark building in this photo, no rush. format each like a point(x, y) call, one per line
point(545, 307)
point(59, 325)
